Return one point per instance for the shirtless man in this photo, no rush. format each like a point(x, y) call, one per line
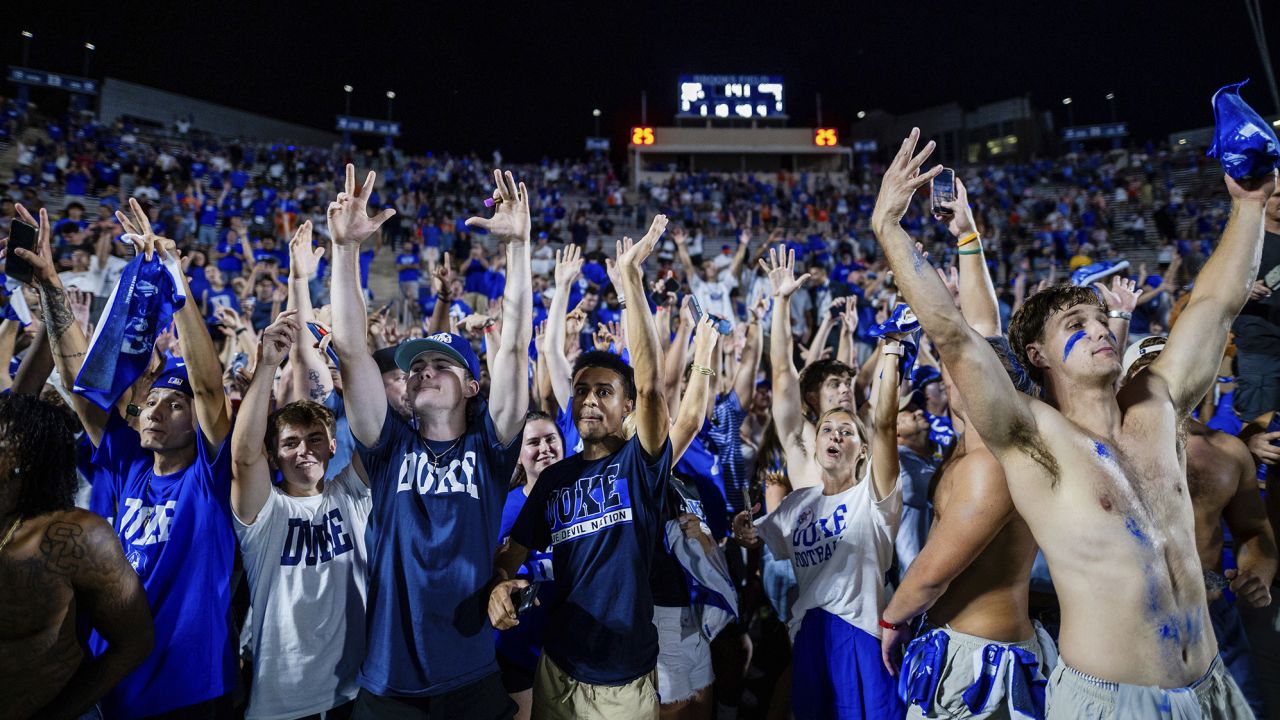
point(57, 561)
point(973, 574)
point(1098, 477)
point(824, 385)
point(1223, 484)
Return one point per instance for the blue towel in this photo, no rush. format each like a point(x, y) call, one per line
point(922, 665)
point(1243, 142)
point(144, 301)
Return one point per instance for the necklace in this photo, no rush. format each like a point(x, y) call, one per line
point(9, 535)
point(436, 456)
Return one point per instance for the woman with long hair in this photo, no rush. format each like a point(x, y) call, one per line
point(518, 649)
point(839, 539)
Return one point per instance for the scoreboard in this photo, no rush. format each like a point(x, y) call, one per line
point(731, 96)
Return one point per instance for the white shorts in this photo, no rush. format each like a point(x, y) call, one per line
point(684, 655)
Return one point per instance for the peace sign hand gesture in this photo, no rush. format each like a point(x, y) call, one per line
point(349, 220)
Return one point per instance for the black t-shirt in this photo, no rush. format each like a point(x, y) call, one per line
point(1257, 329)
point(666, 576)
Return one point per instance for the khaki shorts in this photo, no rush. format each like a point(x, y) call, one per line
point(1072, 695)
point(556, 696)
point(960, 672)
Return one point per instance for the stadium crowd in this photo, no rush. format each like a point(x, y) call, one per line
point(811, 446)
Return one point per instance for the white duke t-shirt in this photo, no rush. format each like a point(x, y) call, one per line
point(306, 563)
point(840, 546)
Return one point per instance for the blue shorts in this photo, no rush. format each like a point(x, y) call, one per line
point(837, 672)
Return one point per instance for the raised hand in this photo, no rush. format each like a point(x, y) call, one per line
point(80, 303)
point(510, 219)
point(678, 236)
point(686, 312)
point(1122, 295)
point(704, 341)
point(278, 339)
point(633, 254)
point(902, 179)
point(442, 276)
point(568, 266)
point(303, 258)
point(850, 316)
point(602, 339)
point(540, 336)
point(137, 228)
point(960, 219)
point(950, 278)
point(43, 271)
point(229, 321)
point(782, 273)
point(1251, 189)
point(349, 221)
point(760, 309)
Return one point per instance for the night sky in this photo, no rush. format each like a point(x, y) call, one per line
point(525, 77)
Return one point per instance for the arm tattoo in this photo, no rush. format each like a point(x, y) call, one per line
point(57, 316)
point(317, 392)
point(62, 547)
point(917, 261)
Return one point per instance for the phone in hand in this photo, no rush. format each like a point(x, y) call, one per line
point(697, 309)
point(943, 189)
point(525, 596)
point(21, 235)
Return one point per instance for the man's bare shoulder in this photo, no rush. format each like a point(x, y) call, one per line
point(79, 544)
point(975, 476)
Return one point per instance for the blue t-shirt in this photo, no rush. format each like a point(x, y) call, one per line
point(231, 262)
point(522, 644)
point(601, 519)
point(407, 263)
point(701, 465)
point(345, 445)
point(366, 259)
point(432, 536)
point(176, 532)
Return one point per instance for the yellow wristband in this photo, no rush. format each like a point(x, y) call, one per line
point(967, 239)
point(703, 369)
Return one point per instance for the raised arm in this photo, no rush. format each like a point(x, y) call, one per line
point(884, 420)
point(845, 352)
point(66, 340)
point(251, 475)
point(1189, 361)
point(676, 353)
point(996, 409)
point(978, 302)
point(36, 365)
point(8, 339)
point(312, 379)
point(653, 424)
point(788, 414)
point(744, 383)
point(568, 265)
point(740, 256)
point(441, 276)
point(203, 368)
point(350, 225)
point(693, 405)
point(509, 371)
point(682, 252)
point(1121, 298)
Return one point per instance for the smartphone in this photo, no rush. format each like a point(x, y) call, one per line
point(943, 189)
point(697, 309)
point(1272, 279)
point(239, 362)
point(21, 235)
point(525, 596)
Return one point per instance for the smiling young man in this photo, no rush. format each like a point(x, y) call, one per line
point(172, 481)
point(303, 543)
point(600, 513)
point(438, 484)
point(1098, 476)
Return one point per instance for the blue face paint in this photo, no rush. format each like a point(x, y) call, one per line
point(1071, 342)
point(1102, 450)
point(1112, 335)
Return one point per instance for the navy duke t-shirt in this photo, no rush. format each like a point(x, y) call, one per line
point(432, 535)
point(601, 519)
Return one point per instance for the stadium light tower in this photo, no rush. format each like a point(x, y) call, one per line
point(1070, 115)
point(26, 46)
point(391, 99)
point(595, 114)
point(1111, 105)
point(862, 114)
point(346, 91)
point(88, 54)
